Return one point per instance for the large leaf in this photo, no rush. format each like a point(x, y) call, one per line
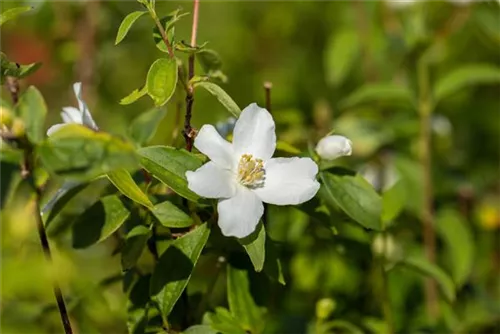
point(143, 128)
point(99, 221)
point(161, 80)
point(459, 243)
point(124, 182)
point(272, 266)
point(77, 152)
point(241, 303)
point(393, 202)
point(171, 216)
point(342, 52)
point(354, 196)
point(134, 245)
point(378, 93)
point(221, 95)
point(255, 246)
point(13, 13)
point(174, 268)
point(224, 322)
point(466, 76)
point(423, 266)
point(134, 96)
point(170, 165)
point(32, 109)
point(126, 24)
point(199, 329)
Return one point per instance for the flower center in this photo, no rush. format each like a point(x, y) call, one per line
point(251, 171)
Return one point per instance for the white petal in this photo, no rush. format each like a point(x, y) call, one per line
point(239, 215)
point(209, 142)
point(332, 147)
point(211, 181)
point(54, 128)
point(289, 181)
point(86, 116)
point(254, 133)
point(71, 115)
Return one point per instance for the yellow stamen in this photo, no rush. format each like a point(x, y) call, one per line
point(251, 171)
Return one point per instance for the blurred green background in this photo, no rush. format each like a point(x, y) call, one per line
point(317, 55)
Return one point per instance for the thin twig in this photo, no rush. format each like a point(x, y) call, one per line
point(162, 31)
point(13, 87)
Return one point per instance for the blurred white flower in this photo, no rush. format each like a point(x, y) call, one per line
point(332, 147)
point(397, 4)
point(243, 174)
point(441, 125)
point(386, 246)
point(372, 174)
point(73, 115)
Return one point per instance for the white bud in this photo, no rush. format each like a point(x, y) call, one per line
point(332, 147)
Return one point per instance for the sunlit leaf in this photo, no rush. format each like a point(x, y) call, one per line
point(32, 109)
point(254, 245)
point(16, 70)
point(13, 13)
point(170, 215)
point(126, 24)
point(143, 128)
point(124, 182)
point(170, 165)
point(199, 329)
point(134, 96)
point(99, 221)
point(378, 93)
point(224, 322)
point(174, 268)
point(222, 96)
point(342, 51)
point(343, 326)
point(161, 80)
point(135, 243)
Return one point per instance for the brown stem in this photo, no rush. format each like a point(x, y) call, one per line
point(163, 33)
point(13, 87)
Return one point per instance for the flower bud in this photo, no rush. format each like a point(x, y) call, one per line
point(17, 128)
point(332, 147)
point(5, 117)
point(324, 308)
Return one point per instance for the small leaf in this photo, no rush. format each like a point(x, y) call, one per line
point(79, 153)
point(134, 245)
point(126, 24)
point(241, 302)
point(272, 265)
point(171, 216)
point(199, 329)
point(169, 165)
point(134, 96)
point(32, 109)
point(342, 326)
point(184, 47)
point(423, 266)
point(466, 76)
point(143, 128)
point(13, 69)
point(13, 13)
point(161, 80)
point(255, 246)
point(124, 182)
point(168, 23)
point(342, 52)
point(209, 60)
point(99, 221)
point(174, 268)
point(393, 202)
point(354, 196)
point(223, 321)
point(459, 243)
point(376, 93)
point(222, 96)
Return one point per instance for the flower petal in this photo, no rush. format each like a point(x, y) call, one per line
point(254, 133)
point(71, 115)
point(289, 181)
point(209, 142)
point(211, 181)
point(332, 147)
point(239, 215)
point(54, 128)
point(86, 116)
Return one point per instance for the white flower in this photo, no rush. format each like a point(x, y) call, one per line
point(243, 174)
point(332, 147)
point(72, 115)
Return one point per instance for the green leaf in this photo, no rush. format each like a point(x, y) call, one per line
point(13, 13)
point(423, 266)
point(222, 96)
point(168, 23)
point(223, 321)
point(378, 93)
point(161, 80)
point(170, 215)
point(393, 202)
point(254, 245)
point(344, 326)
point(77, 152)
point(134, 96)
point(411, 178)
point(32, 109)
point(466, 76)
point(272, 266)
point(169, 165)
point(287, 148)
point(209, 60)
point(342, 51)
point(199, 329)
point(134, 245)
point(174, 268)
point(13, 69)
point(459, 243)
point(124, 182)
point(354, 196)
point(126, 24)
point(241, 303)
point(184, 47)
point(143, 128)
point(99, 221)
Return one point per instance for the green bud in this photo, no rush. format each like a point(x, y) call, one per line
point(18, 128)
point(324, 308)
point(5, 117)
